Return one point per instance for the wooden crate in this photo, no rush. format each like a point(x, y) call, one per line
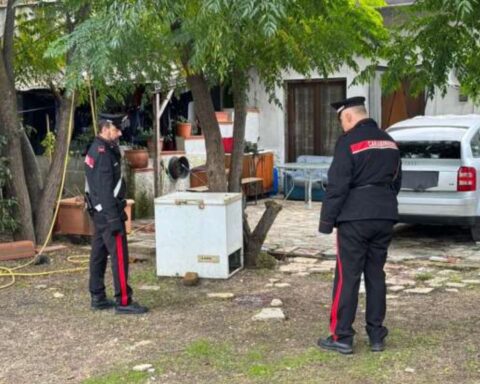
point(16, 250)
point(73, 219)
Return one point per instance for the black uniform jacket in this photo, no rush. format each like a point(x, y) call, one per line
point(364, 178)
point(105, 184)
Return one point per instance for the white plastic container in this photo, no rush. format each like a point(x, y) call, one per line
point(199, 232)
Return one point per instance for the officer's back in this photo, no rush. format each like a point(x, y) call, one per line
point(375, 173)
point(364, 177)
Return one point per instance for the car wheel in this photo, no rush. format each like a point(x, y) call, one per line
point(475, 231)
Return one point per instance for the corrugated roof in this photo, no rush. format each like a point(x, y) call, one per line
point(399, 2)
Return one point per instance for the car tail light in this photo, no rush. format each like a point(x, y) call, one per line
point(466, 179)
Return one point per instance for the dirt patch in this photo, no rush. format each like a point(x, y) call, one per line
point(189, 338)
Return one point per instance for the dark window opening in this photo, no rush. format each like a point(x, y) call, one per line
point(429, 149)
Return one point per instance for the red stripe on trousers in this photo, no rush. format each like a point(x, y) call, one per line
point(121, 271)
point(336, 300)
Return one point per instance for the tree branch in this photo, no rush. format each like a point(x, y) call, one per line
point(8, 36)
point(253, 242)
point(239, 85)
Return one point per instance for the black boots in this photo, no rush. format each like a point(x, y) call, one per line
point(131, 309)
point(346, 348)
point(99, 303)
point(377, 346)
point(336, 346)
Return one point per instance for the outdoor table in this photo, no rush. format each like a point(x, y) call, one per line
point(308, 170)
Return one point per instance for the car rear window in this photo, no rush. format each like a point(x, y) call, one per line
point(429, 149)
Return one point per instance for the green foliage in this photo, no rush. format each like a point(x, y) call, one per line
point(145, 135)
point(130, 377)
point(182, 119)
point(8, 223)
point(37, 28)
point(264, 260)
point(432, 38)
point(138, 41)
point(48, 143)
point(80, 142)
point(143, 206)
point(424, 276)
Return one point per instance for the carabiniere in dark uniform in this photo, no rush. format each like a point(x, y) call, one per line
point(361, 202)
point(105, 196)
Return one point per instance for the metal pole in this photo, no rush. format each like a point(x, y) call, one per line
point(157, 171)
point(159, 109)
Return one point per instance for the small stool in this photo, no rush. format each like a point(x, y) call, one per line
point(202, 188)
point(249, 182)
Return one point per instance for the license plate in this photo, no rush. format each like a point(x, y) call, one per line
point(419, 180)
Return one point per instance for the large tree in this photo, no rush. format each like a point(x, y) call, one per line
point(26, 36)
point(10, 127)
point(215, 41)
point(432, 39)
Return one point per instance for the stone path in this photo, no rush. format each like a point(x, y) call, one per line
point(295, 233)
point(421, 260)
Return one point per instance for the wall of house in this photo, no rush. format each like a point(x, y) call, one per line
point(272, 117)
point(450, 104)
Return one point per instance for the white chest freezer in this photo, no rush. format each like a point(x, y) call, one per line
point(199, 232)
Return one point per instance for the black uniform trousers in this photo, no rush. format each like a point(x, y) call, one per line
point(361, 248)
point(105, 243)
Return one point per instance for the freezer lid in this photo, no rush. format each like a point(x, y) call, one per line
point(195, 198)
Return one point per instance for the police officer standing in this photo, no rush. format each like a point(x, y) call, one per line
point(361, 202)
point(105, 195)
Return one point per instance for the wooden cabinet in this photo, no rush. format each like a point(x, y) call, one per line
point(254, 165)
point(198, 176)
point(257, 165)
point(264, 169)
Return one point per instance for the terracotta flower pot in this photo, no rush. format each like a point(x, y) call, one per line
point(222, 116)
point(184, 129)
point(137, 158)
point(73, 219)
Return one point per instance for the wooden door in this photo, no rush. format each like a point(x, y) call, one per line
point(312, 125)
point(400, 105)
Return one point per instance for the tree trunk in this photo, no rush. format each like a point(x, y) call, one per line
point(253, 241)
point(45, 210)
point(11, 129)
point(8, 36)
point(32, 171)
point(240, 104)
point(205, 111)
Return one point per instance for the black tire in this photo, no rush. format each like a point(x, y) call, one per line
point(475, 232)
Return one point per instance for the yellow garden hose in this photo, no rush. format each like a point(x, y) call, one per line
point(12, 272)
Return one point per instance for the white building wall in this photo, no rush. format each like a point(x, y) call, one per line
point(450, 104)
point(272, 118)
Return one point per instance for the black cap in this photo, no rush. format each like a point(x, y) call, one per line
point(339, 106)
point(104, 123)
point(116, 119)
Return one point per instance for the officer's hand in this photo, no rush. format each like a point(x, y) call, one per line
point(325, 227)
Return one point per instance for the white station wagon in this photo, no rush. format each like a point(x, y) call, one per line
point(441, 169)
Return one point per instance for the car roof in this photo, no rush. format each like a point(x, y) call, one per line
point(447, 121)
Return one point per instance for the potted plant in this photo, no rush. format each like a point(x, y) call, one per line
point(168, 141)
point(147, 137)
point(184, 127)
point(136, 157)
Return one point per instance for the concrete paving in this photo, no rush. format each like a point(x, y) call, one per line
point(295, 233)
